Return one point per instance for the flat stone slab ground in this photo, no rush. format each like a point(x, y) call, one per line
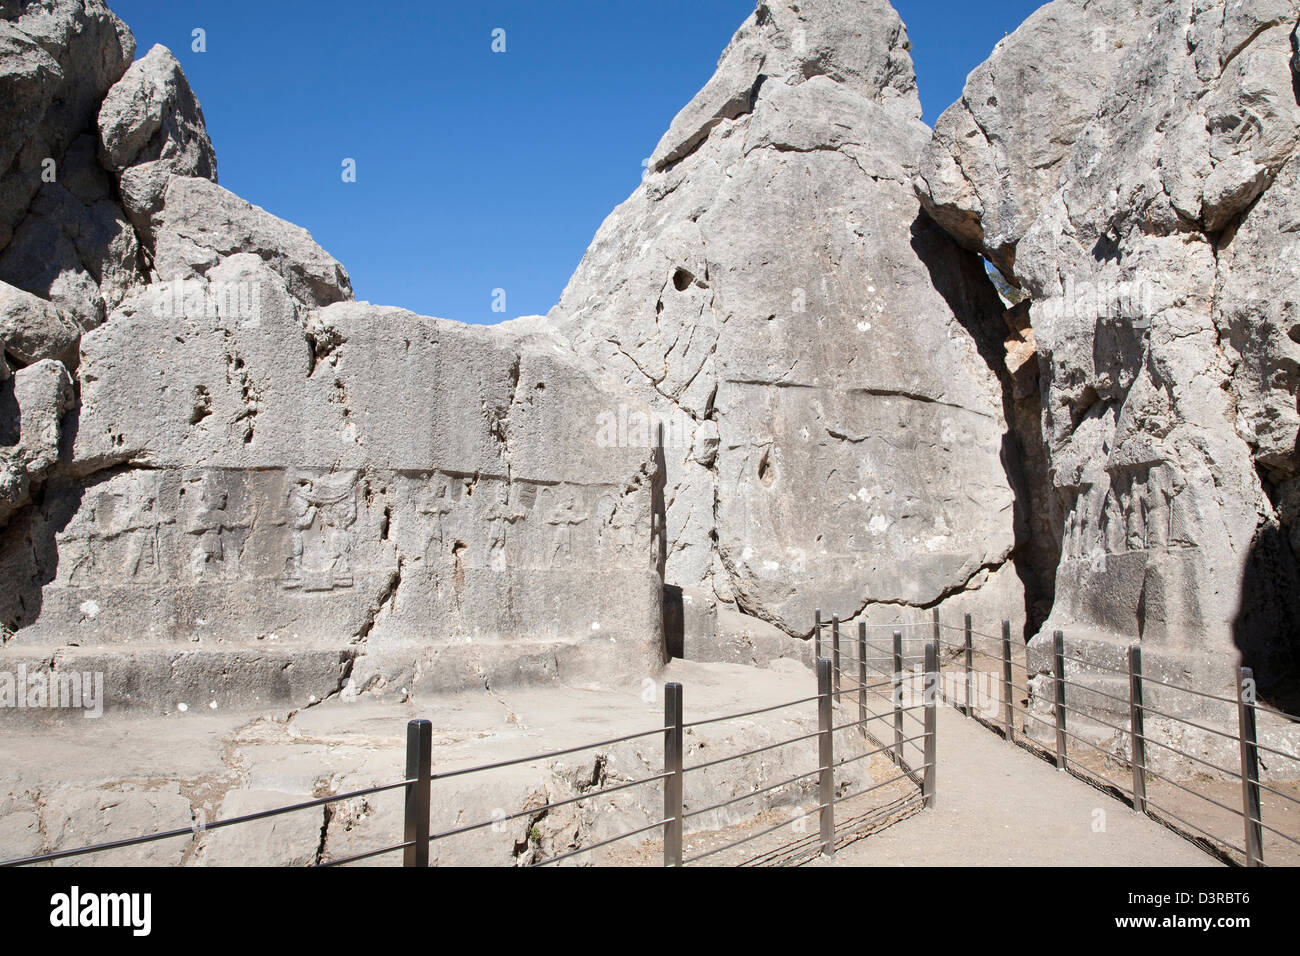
point(76, 782)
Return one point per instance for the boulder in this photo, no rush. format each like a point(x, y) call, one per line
point(32, 406)
point(32, 329)
point(201, 223)
point(997, 154)
point(150, 128)
point(807, 338)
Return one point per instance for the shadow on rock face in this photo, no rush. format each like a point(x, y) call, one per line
point(1295, 63)
point(1267, 627)
point(9, 413)
point(31, 554)
point(959, 276)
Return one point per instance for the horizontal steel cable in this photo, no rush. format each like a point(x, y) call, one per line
point(1190, 723)
point(877, 786)
point(750, 713)
point(1186, 823)
point(1276, 713)
point(999, 658)
point(752, 836)
point(1107, 724)
point(1089, 690)
point(872, 753)
point(1213, 766)
point(1284, 836)
point(597, 846)
point(1188, 690)
point(1279, 793)
point(755, 793)
point(1089, 743)
point(365, 856)
point(1096, 665)
point(1280, 753)
point(448, 774)
point(214, 825)
point(546, 806)
point(750, 753)
point(861, 722)
point(1235, 811)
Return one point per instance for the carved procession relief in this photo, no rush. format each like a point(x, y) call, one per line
point(118, 533)
point(301, 527)
point(468, 521)
point(434, 502)
point(1137, 511)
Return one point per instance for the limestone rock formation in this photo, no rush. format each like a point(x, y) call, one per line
point(996, 155)
point(1148, 211)
point(254, 469)
point(811, 342)
point(57, 60)
point(223, 479)
point(150, 128)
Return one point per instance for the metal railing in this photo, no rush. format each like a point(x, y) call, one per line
point(1133, 740)
point(418, 836)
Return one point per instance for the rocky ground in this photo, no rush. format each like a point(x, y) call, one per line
point(85, 781)
point(93, 781)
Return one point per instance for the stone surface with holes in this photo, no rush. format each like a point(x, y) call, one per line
point(834, 431)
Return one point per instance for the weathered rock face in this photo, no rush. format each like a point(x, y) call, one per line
point(150, 128)
point(1154, 233)
point(834, 431)
point(67, 253)
point(57, 60)
point(253, 489)
point(364, 474)
point(996, 155)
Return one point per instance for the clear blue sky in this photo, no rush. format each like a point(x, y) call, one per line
point(475, 170)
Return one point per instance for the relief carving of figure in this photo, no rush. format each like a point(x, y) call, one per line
point(322, 511)
point(140, 528)
point(209, 523)
point(436, 502)
point(563, 517)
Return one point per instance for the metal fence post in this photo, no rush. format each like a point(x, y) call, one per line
point(898, 698)
point(1137, 729)
point(673, 744)
point(817, 636)
point(970, 670)
point(825, 757)
point(1007, 713)
point(1252, 814)
point(835, 655)
point(1058, 687)
point(930, 699)
point(862, 675)
point(419, 770)
point(938, 646)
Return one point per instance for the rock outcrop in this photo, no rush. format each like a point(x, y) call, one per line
point(223, 479)
point(1144, 198)
point(779, 379)
point(151, 128)
point(769, 373)
point(810, 340)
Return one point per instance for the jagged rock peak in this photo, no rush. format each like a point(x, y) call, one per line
point(861, 44)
